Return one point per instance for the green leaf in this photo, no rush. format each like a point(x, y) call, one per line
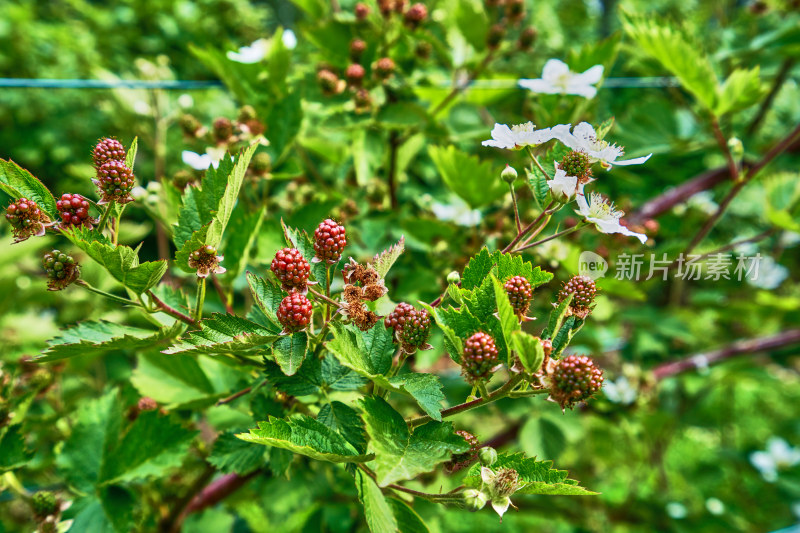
point(177, 380)
point(122, 262)
point(130, 155)
point(268, 296)
point(536, 477)
point(399, 454)
point(538, 184)
point(453, 343)
point(556, 318)
point(408, 521)
point(224, 334)
point(677, 52)
point(91, 338)
point(110, 509)
point(477, 269)
point(153, 444)
point(206, 211)
point(344, 419)
point(384, 261)
point(561, 340)
point(232, 455)
point(19, 183)
point(377, 345)
point(12, 449)
point(503, 266)
point(285, 119)
point(471, 20)
point(378, 513)
point(740, 90)
point(242, 231)
point(290, 351)
point(476, 182)
point(529, 350)
point(509, 323)
point(306, 436)
point(355, 351)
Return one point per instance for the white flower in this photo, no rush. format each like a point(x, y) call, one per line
point(289, 39)
point(584, 139)
point(620, 391)
point(715, 506)
point(777, 456)
point(703, 201)
point(563, 187)
point(197, 161)
point(250, 54)
point(557, 78)
point(185, 101)
point(676, 510)
point(457, 211)
point(769, 274)
point(602, 214)
point(522, 135)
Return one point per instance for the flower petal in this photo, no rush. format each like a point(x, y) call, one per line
point(554, 69)
point(589, 76)
point(635, 161)
point(500, 505)
point(539, 86)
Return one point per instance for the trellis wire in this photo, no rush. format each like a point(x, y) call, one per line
point(187, 85)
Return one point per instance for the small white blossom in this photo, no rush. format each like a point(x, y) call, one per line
point(250, 54)
point(457, 211)
point(197, 161)
point(703, 201)
point(557, 78)
point(770, 274)
point(715, 506)
point(620, 391)
point(676, 510)
point(600, 212)
point(778, 455)
point(185, 101)
point(563, 187)
point(522, 135)
point(584, 139)
point(289, 39)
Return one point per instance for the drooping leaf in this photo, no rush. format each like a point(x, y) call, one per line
point(509, 323)
point(384, 260)
point(122, 262)
point(399, 454)
point(224, 334)
point(344, 419)
point(306, 436)
point(268, 296)
point(96, 337)
point(19, 183)
point(13, 453)
point(529, 350)
point(476, 182)
point(130, 155)
point(377, 511)
point(232, 455)
point(290, 351)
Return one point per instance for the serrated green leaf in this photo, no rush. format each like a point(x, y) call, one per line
point(536, 477)
point(477, 269)
point(224, 334)
point(290, 351)
point(122, 262)
point(561, 340)
point(268, 296)
point(18, 182)
point(504, 266)
point(377, 512)
point(677, 52)
point(344, 419)
point(13, 453)
point(130, 155)
point(242, 232)
point(353, 352)
point(408, 521)
point(377, 345)
point(453, 343)
point(476, 182)
point(96, 337)
point(384, 260)
point(399, 454)
point(739, 91)
point(306, 436)
point(529, 350)
point(509, 323)
point(556, 318)
point(108, 510)
point(538, 184)
point(232, 455)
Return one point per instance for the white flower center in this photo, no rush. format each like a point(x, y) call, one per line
point(600, 208)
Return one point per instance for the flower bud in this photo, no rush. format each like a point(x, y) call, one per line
point(508, 174)
point(361, 10)
point(357, 47)
point(487, 456)
point(526, 38)
point(474, 500)
point(495, 36)
point(453, 277)
point(736, 147)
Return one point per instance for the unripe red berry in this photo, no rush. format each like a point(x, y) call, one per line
point(329, 240)
point(515, 10)
point(520, 294)
point(479, 358)
point(107, 150)
point(495, 36)
point(416, 15)
point(223, 129)
point(354, 74)
point(416, 330)
point(386, 7)
point(146, 403)
point(357, 48)
point(575, 379)
point(294, 312)
point(74, 211)
point(61, 269)
point(462, 460)
point(526, 38)
point(397, 318)
point(291, 268)
point(115, 181)
point(583, 291)
point(189, 125)
point(362, 100)
point(329, 82)
point(384, 67)
point(361, 11)
point(26, 219)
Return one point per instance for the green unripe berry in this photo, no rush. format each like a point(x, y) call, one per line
point(487, 456)
point(508, 174)
point(474, 500)
point(453, 277)
point(44, 504)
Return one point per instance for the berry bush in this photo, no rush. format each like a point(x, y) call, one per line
point(378, 282)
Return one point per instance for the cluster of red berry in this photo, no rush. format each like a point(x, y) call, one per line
point(114, 179)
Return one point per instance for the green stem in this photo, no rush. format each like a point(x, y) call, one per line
point(104, 218)
point(528, 393)
point(201, 297)
point(516, 208)
point(324, 298)
point(117, 221)
point(498, 394)
point(108, 295)
point(328, 291)
point(482, 389)
point(449, 497)
point(171, 311)
point(547, 211)
point(536, 162)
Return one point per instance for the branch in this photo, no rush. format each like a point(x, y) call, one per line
point(171, 311)
point(212, 494)
point(748, 346)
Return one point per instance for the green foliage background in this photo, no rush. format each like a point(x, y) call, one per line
point(684, 440)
